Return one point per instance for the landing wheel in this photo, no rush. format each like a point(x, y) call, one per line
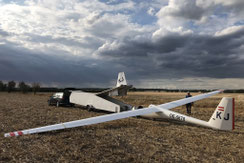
point(140, 107)
point(89, 108)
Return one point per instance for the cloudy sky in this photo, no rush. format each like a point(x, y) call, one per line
point(158, 43)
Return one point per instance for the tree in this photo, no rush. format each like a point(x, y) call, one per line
point(2, 85)
point(35, 87)
point(24, 88)
point(11, 86)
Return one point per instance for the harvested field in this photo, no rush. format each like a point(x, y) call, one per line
point(127, 140)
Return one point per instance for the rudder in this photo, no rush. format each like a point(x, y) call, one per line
point(121, 79)
point(224, 116)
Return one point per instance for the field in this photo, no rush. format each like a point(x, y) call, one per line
point(127, 140)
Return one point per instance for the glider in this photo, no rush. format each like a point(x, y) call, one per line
point(222, 118)
point(103, 100)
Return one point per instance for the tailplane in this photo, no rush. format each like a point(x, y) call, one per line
point(224, 117)
point(121, 79)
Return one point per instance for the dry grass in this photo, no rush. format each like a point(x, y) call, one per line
point(127, 140)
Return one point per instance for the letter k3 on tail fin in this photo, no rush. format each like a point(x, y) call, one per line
point(121, 79)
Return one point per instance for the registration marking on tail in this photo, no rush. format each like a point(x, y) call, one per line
point(221, 108)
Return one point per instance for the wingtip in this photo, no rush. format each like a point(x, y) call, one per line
point(12, 134)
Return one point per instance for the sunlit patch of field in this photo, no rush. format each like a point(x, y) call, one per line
point(126, 140)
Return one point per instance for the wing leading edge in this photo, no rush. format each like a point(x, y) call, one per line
point(111, 117)
point(184, 101)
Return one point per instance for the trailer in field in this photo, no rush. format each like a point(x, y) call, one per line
point(93, 101)
point(103, 100)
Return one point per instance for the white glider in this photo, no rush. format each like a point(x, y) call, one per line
point(222, 118)
point(103, 100)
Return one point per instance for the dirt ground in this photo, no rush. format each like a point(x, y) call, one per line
point(127, 140)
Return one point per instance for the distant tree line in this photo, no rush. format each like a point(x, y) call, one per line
point(11, 86)
point(183, 90)
point(35, 87)
point(167, 90)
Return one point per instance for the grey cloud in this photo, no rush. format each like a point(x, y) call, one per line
point(182, 56)
point(187, 9)
point(3, 33)
point(236, 5)
point(86, 43)
point(21, 64)
point(105, 29)
point(129, 47)
point(195, 10)
point(91, 19)
point(71, 16)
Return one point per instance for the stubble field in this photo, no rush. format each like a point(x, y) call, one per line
point(127, 140)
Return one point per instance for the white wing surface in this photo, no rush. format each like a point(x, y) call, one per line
point(184, 101)
point(84, 122)
point(111, 117)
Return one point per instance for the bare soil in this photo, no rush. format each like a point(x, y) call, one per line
point(126, 140)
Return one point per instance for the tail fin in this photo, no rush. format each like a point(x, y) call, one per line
point(121, 79)
point(224, 117)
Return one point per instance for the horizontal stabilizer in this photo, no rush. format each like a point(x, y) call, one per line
point(121, 88)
